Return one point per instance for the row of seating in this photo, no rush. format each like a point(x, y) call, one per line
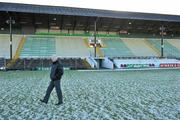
point(38, 47)
point(115, 47)
point(5, 44)
point(46, 46)
point(169, 50)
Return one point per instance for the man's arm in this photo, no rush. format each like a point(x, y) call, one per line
point(59, 72)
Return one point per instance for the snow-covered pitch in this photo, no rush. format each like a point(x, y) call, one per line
point(90, 95)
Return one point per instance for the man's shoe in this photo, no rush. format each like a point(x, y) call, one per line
point(59, 103)
point(43, 101)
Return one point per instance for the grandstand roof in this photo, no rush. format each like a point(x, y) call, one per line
point(60, 10)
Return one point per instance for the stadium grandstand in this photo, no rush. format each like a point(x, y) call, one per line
point(31, 34)
point(117, 65)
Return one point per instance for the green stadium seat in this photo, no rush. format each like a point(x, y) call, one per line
point(114, 47)
point(169, 50)
point(36, 46)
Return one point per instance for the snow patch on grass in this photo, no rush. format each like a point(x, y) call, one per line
point(92, 95)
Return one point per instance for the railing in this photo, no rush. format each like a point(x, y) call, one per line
point(92, 62)
point(43, 64)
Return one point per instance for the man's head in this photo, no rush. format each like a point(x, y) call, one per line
point(54, 58)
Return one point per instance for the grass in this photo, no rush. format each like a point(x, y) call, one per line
point(92, 95)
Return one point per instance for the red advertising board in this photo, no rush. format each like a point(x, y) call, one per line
point(169, 65)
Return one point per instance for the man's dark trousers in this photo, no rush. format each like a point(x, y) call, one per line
point(53, 84)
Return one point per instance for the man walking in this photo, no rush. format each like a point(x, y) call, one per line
point(55, 75)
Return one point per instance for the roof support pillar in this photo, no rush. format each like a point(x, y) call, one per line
point(10, 22)
point(61, 23)
point(48, 23)
point(95, 29)
point(162, 40)
point(10, 32)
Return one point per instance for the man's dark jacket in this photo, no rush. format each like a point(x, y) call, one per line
point(56, 71)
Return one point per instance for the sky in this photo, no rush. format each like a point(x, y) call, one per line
point(146, 6)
